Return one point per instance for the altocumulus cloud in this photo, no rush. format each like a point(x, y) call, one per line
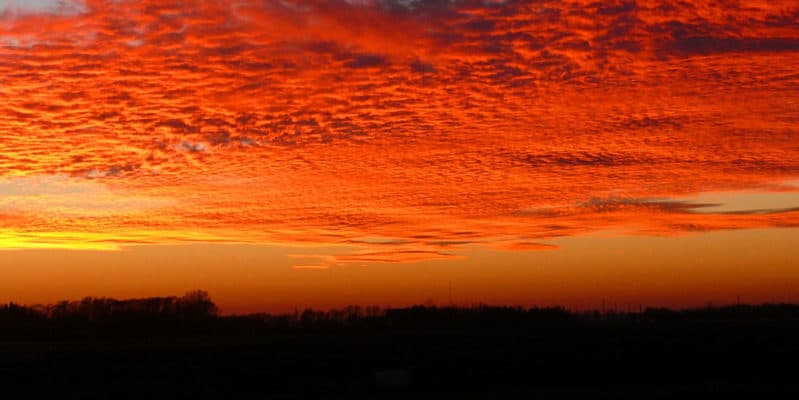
point(440, 124)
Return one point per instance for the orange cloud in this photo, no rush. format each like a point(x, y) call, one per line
point(434, 124)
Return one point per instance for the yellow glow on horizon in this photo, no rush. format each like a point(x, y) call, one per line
point(757, 265)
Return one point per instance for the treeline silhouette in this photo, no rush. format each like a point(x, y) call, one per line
point(92, 316)
point(196, 308)
point(195, 303)
point(181, 346)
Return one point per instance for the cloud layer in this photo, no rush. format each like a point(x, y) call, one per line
point(433, 123)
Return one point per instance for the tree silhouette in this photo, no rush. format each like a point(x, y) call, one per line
point(197, 303)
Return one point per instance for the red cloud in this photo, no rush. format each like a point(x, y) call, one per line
point(326, 121)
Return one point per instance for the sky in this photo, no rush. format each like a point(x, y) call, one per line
point(329, 152)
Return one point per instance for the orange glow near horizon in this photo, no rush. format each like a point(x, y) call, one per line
point(723, 267)
point(395, 134)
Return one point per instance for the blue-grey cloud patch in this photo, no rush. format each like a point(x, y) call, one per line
point(192, 147)
point(57, 7)
point(178, 126)
point(421, 67)
point(367, 61)
point(746, 203)
point(584, 159)
point(613, 204)
point(705, 45)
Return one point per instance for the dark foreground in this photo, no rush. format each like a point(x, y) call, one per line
point(110, 349)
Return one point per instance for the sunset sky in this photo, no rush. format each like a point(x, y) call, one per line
point(283, 153)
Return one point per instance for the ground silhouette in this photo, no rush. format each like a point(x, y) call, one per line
point(180, 346)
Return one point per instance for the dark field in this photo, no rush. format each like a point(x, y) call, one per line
point(178, 347)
